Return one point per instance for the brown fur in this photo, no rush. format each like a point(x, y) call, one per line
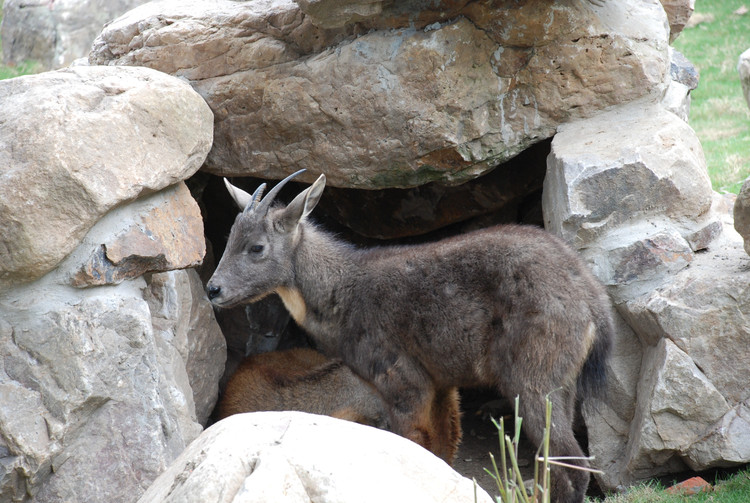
point(305, 380)
point(301, 379)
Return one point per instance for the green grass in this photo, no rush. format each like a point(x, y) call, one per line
point(718, 112)
point(735, 489)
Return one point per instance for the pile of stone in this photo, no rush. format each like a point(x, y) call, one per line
point(111, 355)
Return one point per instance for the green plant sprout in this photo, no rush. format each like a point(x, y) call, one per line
point(509, 481)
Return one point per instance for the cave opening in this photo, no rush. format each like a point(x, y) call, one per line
point(511, 193)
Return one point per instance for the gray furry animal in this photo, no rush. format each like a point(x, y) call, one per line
point(511, 307)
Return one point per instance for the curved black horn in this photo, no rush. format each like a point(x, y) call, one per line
point(266, 202)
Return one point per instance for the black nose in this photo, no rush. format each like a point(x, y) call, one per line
point(213, 291)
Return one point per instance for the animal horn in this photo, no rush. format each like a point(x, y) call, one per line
point(266, 202)
point(257, 195)
point(244, 200)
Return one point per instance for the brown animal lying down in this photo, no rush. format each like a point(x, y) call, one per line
point(304, 380)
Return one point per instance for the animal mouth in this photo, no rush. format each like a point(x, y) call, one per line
point(230, 302)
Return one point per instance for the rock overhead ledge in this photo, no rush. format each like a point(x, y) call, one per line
point(400, 99)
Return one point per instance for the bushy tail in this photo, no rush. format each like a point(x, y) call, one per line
point(593, 377)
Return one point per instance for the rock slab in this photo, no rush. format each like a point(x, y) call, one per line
point(299, 457)
point(102, 387)
point(441, 92)
point(75, 143)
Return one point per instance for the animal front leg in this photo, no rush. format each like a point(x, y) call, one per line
point(410, 397)
point(446, 420)
point(411, 417)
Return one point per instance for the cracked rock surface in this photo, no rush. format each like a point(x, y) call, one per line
point(399, 99)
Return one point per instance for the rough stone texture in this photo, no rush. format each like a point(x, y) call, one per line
point(637, 165)
point(691, 406)
point(55, 32)
point(376, 94)
point(101, 388)
point(187, 327)
point(424, 95)
point(743, 67)
point(165, 236)
point(684, 78)
point(742, 213)
point(678, 13)
point(76, 143)
point(663, 426)
point(335, 14)
point(291, 456)
point(629, 189)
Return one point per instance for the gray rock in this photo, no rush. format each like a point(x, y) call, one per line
point(682, 70)
point(93, 367)
point(433, 92)
point(692, 395)
point(676, 404)
point(634, 165)
point(103, 387)
point(629, 189)
point(184, 321)
point(684, 78)
point(299, 457)
point(55, 32)
point(743, 67)
point(741, 213)
point(76, 143)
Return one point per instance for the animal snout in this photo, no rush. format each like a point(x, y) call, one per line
point(213, 291)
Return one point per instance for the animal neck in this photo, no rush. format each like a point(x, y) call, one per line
point(322, 267)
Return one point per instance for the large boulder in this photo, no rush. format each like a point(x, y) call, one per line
point(98, 339)
point(101, 390)
point(55, 33)
point(656, 173)
point(683, 402)
point(297, 458)
point(185, 326)
point(629, 189)
point(411, 95)
point(76, 143)
point(110, 352)
point(103, 387)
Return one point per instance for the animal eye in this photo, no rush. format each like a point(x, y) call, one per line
point(256, 248)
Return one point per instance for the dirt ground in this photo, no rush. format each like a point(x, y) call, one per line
point(480, 437)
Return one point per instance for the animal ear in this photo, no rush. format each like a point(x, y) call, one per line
point(240, 196)
point(303, 204)
point(243, 199)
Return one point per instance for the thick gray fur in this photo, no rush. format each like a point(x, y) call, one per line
point(511, 307)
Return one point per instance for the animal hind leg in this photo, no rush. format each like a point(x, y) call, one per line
point(568, 485)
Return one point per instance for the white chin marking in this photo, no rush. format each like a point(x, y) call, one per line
point(294, 303)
